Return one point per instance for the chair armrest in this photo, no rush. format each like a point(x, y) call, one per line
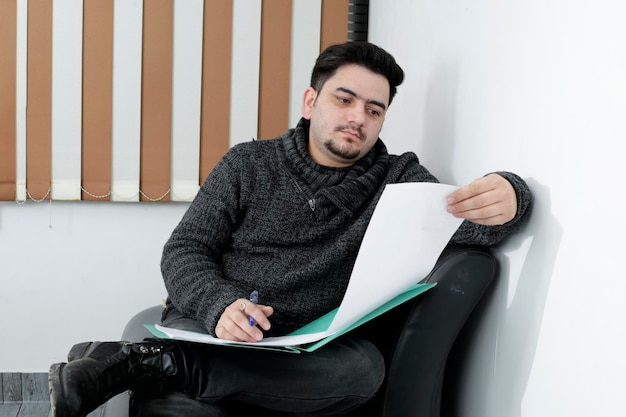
point(135, 331)
point(427, 328)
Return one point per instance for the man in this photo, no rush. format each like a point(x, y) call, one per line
point(284, 217)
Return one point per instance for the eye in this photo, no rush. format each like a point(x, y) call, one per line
point(343, 100)
point(374, 112)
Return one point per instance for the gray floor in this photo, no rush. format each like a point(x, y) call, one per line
point(26, 395)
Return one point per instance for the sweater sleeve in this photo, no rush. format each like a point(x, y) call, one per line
point(475, 234)
point(190, 263)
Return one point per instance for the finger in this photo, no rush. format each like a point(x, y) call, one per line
point(476, 187)
point(479, 201)
point(234, 334)
point(243, 321)
point(486, 215)
point(220, 332)
point(260, 313)
point(240, 330)
point(267, 310)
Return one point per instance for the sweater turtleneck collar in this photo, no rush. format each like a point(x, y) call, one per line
point(346, 189)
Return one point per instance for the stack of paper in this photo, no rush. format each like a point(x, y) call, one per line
point(408, 231)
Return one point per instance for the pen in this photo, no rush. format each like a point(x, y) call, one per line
point(254, 298)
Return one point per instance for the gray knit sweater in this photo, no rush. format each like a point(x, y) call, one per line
point(268, 218)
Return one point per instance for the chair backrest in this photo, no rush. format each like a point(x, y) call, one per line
point(425, 330)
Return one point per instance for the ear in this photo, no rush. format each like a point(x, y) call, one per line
point(308, 100)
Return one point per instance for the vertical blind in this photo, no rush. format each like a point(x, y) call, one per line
point(131, 100)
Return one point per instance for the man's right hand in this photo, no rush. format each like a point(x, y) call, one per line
point(234, 323)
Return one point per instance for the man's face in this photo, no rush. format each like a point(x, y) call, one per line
point(346, 115)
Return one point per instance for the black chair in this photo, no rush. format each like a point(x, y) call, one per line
point(416, 339)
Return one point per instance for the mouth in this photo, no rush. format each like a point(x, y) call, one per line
point(352, 134)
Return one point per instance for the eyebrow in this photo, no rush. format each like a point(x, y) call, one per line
point(352, 93)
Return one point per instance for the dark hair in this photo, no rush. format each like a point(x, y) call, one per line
point(361, 53)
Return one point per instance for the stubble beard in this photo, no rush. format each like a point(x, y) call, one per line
point(345, 153)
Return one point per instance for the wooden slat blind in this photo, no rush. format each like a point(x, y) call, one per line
point(274, 73)
point(126, 117)
point(334, 22)
point(39, 97)
point(97, 99)
point(156, 98)
point(8, 40)
point(216, 64)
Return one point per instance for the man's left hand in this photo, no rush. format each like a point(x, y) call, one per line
point(490, 200)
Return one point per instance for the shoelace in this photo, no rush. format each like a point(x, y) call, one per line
point(147, 378)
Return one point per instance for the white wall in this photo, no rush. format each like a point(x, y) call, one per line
point(76, 271)
point(533, 86)
point(537, 87)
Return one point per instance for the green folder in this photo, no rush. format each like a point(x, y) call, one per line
point(322, 324)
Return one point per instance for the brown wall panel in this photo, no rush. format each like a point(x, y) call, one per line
point(334, 28)
point(8, 27)
point(39, 99)
point(216, 67)
point(97, 99)
point(275, 67)
point(156, 98)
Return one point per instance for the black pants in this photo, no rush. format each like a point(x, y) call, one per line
point(332, 380)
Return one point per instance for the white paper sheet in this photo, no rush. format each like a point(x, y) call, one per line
point(278, 341)
point(408, 231)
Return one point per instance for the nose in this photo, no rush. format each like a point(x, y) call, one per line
point(356, 115)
